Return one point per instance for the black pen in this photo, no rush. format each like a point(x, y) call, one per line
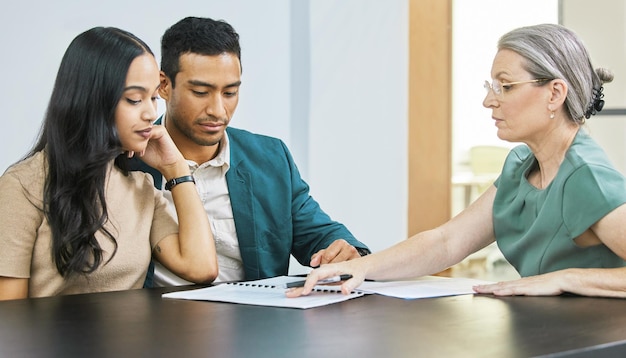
point(320, 282)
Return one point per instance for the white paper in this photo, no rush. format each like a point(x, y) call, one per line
point(266, 292)
point(424, 287)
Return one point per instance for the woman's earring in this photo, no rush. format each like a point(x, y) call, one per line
point(551, 115)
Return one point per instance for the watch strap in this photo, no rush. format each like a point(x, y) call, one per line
point(173, 182)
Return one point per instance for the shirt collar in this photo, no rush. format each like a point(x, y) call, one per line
point(223, 155)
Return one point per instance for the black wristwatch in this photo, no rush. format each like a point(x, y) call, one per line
point(173, 182)
point(363, 251)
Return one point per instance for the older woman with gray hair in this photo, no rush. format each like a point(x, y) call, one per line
point(557, 209)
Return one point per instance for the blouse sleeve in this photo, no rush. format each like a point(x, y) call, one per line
point(590, 193)
point(20, 217)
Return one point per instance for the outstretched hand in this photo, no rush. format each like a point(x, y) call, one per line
point(540, 285)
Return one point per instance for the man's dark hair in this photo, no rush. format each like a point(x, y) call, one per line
point(196, 35)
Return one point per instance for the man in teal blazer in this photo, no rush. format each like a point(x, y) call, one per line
point(273, 212)
point(259, 206)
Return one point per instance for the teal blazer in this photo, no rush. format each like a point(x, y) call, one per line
point(274, 214)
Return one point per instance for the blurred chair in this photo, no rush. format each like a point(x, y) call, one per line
point(485, 164)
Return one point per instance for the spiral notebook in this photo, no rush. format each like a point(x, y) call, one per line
point(266, 292)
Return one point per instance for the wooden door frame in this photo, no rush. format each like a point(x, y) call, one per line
point(430, 114)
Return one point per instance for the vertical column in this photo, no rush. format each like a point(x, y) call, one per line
point(300, 83)
point(430, 122)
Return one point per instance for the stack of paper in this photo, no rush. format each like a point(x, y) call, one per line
point(266, 292)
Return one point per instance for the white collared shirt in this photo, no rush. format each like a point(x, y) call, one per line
point(210, 180)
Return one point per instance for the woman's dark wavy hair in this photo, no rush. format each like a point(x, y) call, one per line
point(80, 139)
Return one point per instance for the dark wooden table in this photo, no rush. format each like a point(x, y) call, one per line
point(139, 323)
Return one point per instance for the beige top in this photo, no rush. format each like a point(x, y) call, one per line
point(138, 218)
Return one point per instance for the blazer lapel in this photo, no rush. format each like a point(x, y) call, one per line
point(240, 190)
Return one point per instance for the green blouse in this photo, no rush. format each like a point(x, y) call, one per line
point(535, 228)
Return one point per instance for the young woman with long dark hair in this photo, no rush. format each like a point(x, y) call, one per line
point(73, 219)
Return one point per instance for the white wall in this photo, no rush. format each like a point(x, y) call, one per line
point(34, 38)
point(359, 111)
point(344, 116)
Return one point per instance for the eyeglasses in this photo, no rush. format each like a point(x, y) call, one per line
point(497, 86)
